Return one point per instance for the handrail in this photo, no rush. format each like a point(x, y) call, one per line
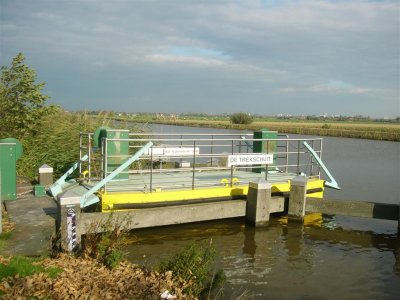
point(56, 187)
point(332, 183)
point(86, 201)
point(215, 140)
point(212, 155)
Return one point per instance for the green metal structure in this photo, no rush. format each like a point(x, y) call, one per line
point(117, 151)
point(10, 152)
point(264, 146)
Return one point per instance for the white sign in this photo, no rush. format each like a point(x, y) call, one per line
point(173, 151)
point(250, 159)
point(181, 151)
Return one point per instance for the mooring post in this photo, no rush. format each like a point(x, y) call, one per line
point(46, 175)
point(297, 198)
point(68, 218)
point(398, 222)
point(258, 203)
point(397, 249)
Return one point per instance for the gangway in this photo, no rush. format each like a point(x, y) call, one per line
point(192, 168)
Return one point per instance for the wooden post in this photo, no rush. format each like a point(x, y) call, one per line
point(297, 198)
point(258, 203)
point(68, 218)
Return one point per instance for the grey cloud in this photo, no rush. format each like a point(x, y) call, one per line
point(274, 51)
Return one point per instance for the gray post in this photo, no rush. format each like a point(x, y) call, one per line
point(297, 198)
point(46, 175)
point(68, 218)
point(398, 223)
point(397, 249)
point(258, 203)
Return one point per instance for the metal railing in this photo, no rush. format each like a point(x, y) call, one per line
point(197, 160)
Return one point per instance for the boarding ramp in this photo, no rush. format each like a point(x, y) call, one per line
point(196, 161)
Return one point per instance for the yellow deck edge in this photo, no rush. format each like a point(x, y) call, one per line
point(111, 198)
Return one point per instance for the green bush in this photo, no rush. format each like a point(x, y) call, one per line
point(56, 143)
point(194, 268)
point(326, 126)
point(241, 118)
point(106, 246)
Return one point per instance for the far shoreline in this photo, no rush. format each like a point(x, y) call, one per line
point(371, 131)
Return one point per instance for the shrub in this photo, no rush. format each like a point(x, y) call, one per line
point(104, 241)
point(55, 143)
point(241, 118)
point(326, 126)
point(194, 268)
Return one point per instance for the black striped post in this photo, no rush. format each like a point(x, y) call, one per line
point(68, 218)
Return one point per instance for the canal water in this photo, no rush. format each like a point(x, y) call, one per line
point(338, 258)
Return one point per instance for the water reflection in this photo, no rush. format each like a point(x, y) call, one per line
point(249, 244)
point(265, 260)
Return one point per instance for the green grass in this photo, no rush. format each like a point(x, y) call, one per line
point(3, 239)
point(24, 266)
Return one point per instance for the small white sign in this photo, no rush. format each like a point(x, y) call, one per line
point(181, 151)
point(250, 159)
point(173, 151)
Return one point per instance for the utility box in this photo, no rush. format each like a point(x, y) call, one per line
point(264, 146)
point(39, 190)
point(10, 152)
point(46, 175)
point(117, 151)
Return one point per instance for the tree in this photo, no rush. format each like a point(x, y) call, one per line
point(241, 118)
point(22, 104)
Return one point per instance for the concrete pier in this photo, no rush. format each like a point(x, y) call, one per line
point(297, 198)
point(258, 203)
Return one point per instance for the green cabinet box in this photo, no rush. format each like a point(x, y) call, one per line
point(39, 190)
point(8, 172)
point(117, 152)
point(264, 146)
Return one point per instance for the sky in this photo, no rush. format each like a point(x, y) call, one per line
point(262, 57)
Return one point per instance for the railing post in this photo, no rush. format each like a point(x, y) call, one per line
point(80, 151)
point(194, 163)
point(297, 198)
point(105, 160)
point(89, 157)
point(287, 156)
point(258, 203)
point(232, 165)
point(312, 159)
point(298, 157)
point(151, 169)
point(211, 150)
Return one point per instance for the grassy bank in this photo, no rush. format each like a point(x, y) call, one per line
point(373, 131)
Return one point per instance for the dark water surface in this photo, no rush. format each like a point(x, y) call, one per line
point(337, 258)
